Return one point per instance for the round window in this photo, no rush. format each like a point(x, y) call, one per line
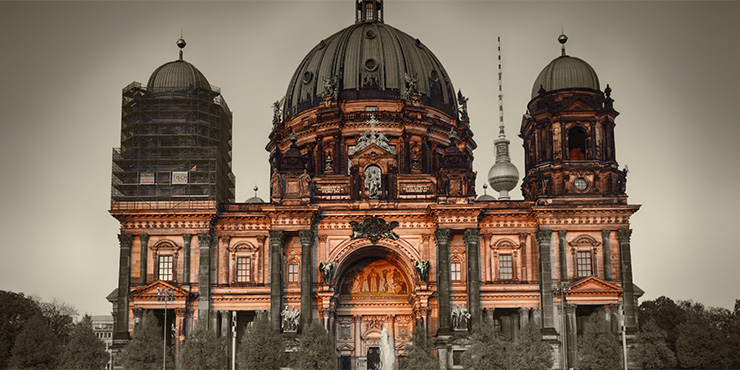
point(370, 34)
point(371, 64)
point(580, 184)
point(307, 76)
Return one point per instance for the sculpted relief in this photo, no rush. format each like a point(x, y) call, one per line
point(374, 278)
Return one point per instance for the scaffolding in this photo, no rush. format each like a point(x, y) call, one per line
point(175, 146)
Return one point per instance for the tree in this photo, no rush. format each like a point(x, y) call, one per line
point(60, 317)
point(652, 350)
point(419, 355)
point(204, 351)
point(36, 346)
point(599, 348)
point(667, 316)
point(700, 344)
point(261, 348)
point(144, 352)
point(15, 310)
point(531, 353)
point(317, 350)
point(84, 351)
point(487, 351)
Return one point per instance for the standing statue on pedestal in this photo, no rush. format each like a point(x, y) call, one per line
point(422, 267)
point(327, 269)
point(290, 319)
point(304, 184)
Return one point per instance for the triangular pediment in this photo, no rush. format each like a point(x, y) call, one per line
point(594, 284)
point(372, 150)
point(577, 105)
point(151, 291)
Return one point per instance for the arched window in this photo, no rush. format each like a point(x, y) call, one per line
point(165, 258)
point(584, 249)
point(577, 144)
point(504, 260)
point(244, 259)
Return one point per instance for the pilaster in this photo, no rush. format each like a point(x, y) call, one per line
point(605, 237)
point(204, 278)
point(563, 255)
point(276, 284)
point(544, 237)
point(120, 336)
point(472, 243)
point(307, 240)
point(186, 239)
point(143, 257)
point(443, 280)
point(628, 295)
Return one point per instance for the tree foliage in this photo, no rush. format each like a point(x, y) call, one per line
point(15, 310)
point(60, 317)
point(599, 348)
point(487, 350)
point(419, 355)
point(261, 348)
point(317, 350)
point(144, 351)
point(652, 350)
point(84, 351)
point(531, 353)
point(36, 346)
point(204, 351)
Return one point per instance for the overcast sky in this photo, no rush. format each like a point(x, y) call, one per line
point(672, 67)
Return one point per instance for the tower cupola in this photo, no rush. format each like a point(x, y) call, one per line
point(568, 134)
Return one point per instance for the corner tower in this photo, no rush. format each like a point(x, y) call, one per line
point(568, 134)
point(175, 139)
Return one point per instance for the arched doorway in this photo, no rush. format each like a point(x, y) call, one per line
point(373, 292)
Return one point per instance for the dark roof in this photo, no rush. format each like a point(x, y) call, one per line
point(369, 60)
point(566, 72)
point(177, 75)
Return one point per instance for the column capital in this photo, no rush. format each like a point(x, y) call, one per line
point(624, 235)
point(306, 237)
point(605, 233)
point(204, 240)
point(144, 239)
point(543, 235)
point(125, 240)
point(276, 237)
point(562, 233)
point(442, 236)
point(471, 236)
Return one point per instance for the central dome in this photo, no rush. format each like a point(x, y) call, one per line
point(369, 60)
point(175, 76)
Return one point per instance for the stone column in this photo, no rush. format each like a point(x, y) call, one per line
point(143, 246)
point(571, 332)
point(443, 280)
point(186, 239)
point(358, 334)
point(523, 317)
point(525, 263)
point(276, 276)
point(563, 255)
point(120, 336)
point(607, 254)
point(472, 241)
point(225, 321)
point(307, 239)
point(180, 334)
point(544, 236)
point(628, 294)
point(204, 278)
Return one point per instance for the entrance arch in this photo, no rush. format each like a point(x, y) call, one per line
point(375, 289)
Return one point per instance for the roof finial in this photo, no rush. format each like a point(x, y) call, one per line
point(562, 39)
point(255, 190)
point(181, 44)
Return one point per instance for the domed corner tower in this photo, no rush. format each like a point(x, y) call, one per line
point(568, 134)
point(175, 139)
point(370, 113)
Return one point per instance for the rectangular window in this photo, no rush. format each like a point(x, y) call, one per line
point(583, 261)
point(165, 268)
point(243, 269)
point(371, 108)
point(505, 267)
point(455, 271)
point(293, 273)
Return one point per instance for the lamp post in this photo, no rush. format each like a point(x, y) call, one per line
point(623, 330)
point(165, 295)
point(562, 289)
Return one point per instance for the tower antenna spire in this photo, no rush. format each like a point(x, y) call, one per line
point(503, 175)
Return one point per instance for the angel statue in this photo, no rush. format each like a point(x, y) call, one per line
point(277, 110)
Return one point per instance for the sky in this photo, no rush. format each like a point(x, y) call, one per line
point(672, 67)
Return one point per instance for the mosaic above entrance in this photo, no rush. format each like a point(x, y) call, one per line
point(374, 278)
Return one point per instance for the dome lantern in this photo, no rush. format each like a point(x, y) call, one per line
point(369, 11)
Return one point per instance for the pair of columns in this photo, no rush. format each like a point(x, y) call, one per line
point(277, 238)
point(544, 241)
point(471, 237)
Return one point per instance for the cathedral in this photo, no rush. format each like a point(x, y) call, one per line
point(373, 221)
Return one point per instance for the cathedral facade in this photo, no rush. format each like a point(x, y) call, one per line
point(373, 220)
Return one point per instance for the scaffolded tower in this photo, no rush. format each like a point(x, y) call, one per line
point(175, 139)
